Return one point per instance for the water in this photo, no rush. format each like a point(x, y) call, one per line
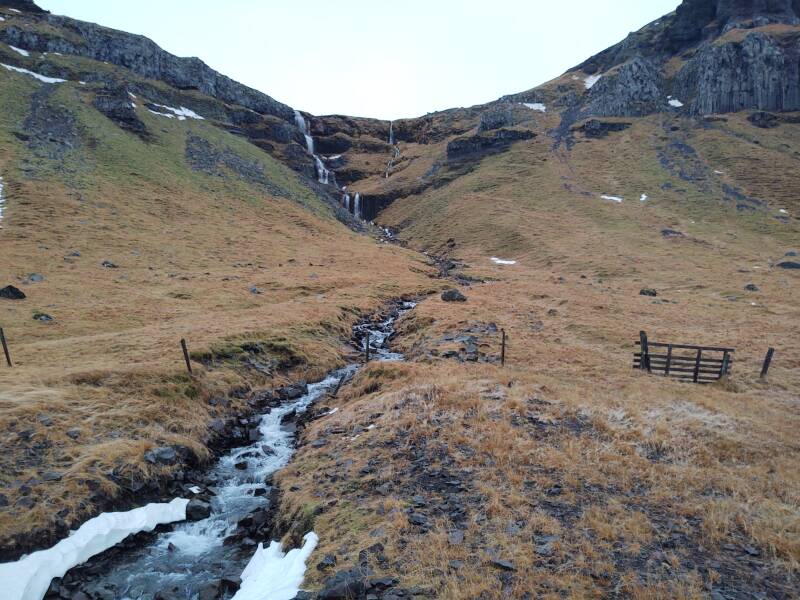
point(357, 205)
point(391, 133)
point(346, 201)
point(192, 554)
point(323, 174)
point(2, 202)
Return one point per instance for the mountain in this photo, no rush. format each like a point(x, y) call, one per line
point(147, 199)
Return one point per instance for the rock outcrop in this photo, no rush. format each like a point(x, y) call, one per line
point(475, 147)
point(23, 5)
point(633, 89)
point(757, 73)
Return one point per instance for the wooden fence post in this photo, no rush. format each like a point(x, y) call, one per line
point(503, 349)
point(669, 360)
point(186, 355)
point(645, 362)
point(767, 362)
point(366, 349)
point(5, 347)
point(726, 359)
point(697, 365)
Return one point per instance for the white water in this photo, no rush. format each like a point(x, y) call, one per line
point(391, 133)
point(357, 205)
point(346, 201)
point(192, 554)
point(323, 174)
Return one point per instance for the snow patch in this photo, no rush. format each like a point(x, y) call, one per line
point(783, 211)
point(616, 199)
point(500, 261)
point(535, 106)
point(719, 173)
point(333, 411)
point(41, 78)
point(19, 12)
point(674, 102)
point(273, 575)
point(644, 198)
point(591, 80)
point(2, 19)
point(29, 577)
point(19, 50)
point(181, 113)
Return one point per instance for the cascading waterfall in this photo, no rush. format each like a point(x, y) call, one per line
point(391, 133)
point(346, 201)
point(357, 205)
point(323, 174)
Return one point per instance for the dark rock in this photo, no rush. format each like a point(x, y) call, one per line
point(634, 89)
point(484, 144)
point(648, 292)
point(751, 287)
point(35, 278)
point(12, 293)
point(381, 584)
point(328, 562)
point(752, 551)
point(496, 118)
point(671, 233)
point(344, 585)
point(163, 455)
point(116, 103)
point(505, 565)
point(788, 264)
point(453, 296)
point(791, 253)
point(213, 590)
point(42, 317)
point(241, 466)
point(108, 264)
point(418, 519)
point(197, 510)
point(217, 426)
point(51, 476)
point(255, 290)
point(764, 120)
point(24, 6)
point(3, 500)
point(74, 433)
point(456, 537)
point(596, 129)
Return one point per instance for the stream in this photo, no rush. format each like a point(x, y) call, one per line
point(182, 562)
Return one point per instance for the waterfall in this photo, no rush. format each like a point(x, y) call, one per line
point(357, 206)
point(391, 133)
point(395, 156)
point(323, 174)
point(346, 201)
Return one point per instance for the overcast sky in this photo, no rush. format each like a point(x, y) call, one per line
point(379, 58)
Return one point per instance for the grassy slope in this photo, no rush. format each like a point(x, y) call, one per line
point(642, 462)
point(189, 247)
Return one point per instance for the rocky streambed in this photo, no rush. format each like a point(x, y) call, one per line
point(230, 509)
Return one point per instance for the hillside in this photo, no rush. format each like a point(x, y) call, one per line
point(148, 198)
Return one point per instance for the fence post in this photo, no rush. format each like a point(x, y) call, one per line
point(669, 360)
point(366, 349)
point(503, 350)
point(186, 355)
point(726, 359)
point(5, 347)
point(767, 362)
point(697, 365)
point(645, 362)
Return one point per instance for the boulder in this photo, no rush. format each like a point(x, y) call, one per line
point(789, 264)
point(453, 295)
point(197, 510)
point(344, 585)
point(12, 293)
point(475, 147)
point(648, 292)
point(594, 128)
point(163, 455)
point(751, 287)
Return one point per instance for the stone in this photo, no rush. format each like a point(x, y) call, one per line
point(751, 287)
point(671, 233)
point(455, 538)
point(109, 264)
point(648, 292)
point(418, 519)
point(789, 264)
point(197, 510)
point(12, 293)
point(791, 253)
point(328, 562)
point(502, 564)
point(596, 129)
point(211, 591)
point(3, 500)
point(634, 89)
point(476, 147)
point(35, 278)
point(453, 295)
point(163, 455)
point(42, 317)
point(51, 476)
point(344, 585)
point(764, 120)
point(241, 466)
point(255, 290)
point(114, 102)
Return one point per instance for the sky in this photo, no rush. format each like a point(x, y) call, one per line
point(386, 59)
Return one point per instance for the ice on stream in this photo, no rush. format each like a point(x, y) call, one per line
point(273, 575)
point(42, 78)
point(30, 577)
